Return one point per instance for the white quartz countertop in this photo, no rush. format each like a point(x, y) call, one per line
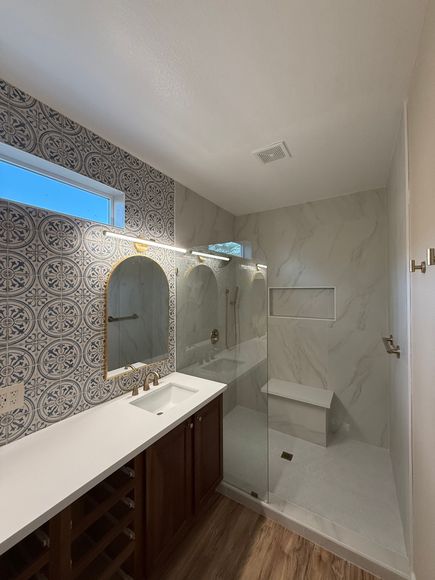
point(42, 473)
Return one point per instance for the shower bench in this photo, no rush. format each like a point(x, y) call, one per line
point(299, 410)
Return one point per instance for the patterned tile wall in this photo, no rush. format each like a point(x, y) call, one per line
point(53, 269)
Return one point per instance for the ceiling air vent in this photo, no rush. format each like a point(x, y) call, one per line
point(272, 152)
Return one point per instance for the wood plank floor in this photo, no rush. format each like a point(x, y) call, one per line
point(231, 542)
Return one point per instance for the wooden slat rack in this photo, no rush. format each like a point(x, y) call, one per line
point(95, 537)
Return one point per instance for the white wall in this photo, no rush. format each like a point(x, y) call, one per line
point(399, 395)
point(421, 145)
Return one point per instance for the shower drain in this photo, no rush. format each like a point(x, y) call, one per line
point(286, 455)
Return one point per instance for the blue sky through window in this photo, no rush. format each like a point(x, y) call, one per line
point(31, 188)
point(231, 248)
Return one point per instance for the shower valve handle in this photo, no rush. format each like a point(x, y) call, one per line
point(390, 347)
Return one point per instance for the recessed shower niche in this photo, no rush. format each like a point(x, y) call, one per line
point(317, 303)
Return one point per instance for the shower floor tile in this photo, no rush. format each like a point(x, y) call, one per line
point(349, 483)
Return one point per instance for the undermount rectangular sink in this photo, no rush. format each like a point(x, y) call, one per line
point(222, 365)
point(164, 398)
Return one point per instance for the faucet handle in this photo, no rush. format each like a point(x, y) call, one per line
point(135, 390)
point(156, 378)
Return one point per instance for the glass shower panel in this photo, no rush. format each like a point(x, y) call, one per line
point(222, 336)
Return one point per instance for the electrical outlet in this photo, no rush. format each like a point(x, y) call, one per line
point(11, 398)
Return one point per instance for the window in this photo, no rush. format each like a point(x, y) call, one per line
point(230, 248)
point(27, 179)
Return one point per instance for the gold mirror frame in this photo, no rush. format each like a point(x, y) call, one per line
point(106, 325)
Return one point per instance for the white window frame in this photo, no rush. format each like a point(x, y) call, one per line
point(49, 169)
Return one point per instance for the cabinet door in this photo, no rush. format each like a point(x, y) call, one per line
point(207, 451)
point(169, 492)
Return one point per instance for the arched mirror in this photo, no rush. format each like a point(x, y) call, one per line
point(137, 314)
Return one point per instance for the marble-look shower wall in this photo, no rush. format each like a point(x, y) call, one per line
point(199, 221)
point(53, 269)
point(206, 292)
point(339, 243)
point(201, 307)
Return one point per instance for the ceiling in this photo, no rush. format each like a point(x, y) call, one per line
point(194, 86)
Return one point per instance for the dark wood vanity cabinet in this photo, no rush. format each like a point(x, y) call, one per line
point(183, 469)
point(168, 504)
point(207, 465)
point(125, 526)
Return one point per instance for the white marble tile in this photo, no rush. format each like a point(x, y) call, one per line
point(198, 221)
point(348, 483)
point(205, 300)
point(298, 351)
point(303, 302)
point(299, 419)
point(341, 243)
point(248, 387)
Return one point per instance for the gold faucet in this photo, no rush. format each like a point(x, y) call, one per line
point(135, 390)
point(156, 378)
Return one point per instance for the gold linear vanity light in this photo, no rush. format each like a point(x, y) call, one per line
point(143, 244)
point(204, 255)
